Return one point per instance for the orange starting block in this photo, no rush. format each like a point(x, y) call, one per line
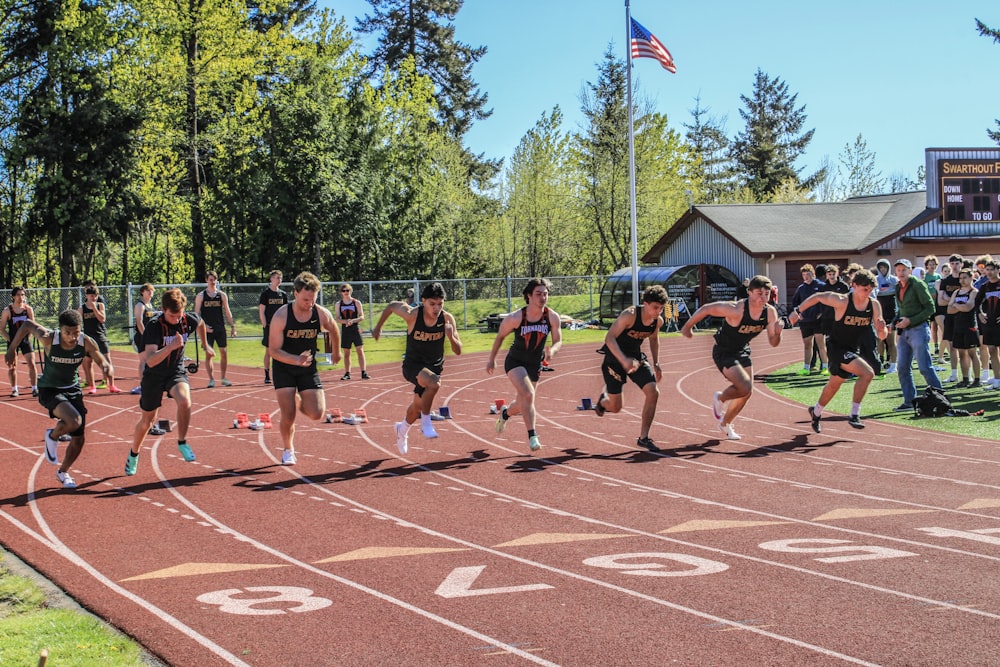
point(361, 415)
point(334, 416)
point(264, 420)
point(241, 420)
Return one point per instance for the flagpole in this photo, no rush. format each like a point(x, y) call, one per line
point(631, 155)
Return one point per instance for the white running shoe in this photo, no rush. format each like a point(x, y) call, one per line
point(501, 422)
point(891, 368)
point(65, 479)
point(288, 458)
point(401, 444)
point(953, 377)
point(427, 428)
point(730, 432)
point(718, 407)
point(534, 444)
point(51, 448)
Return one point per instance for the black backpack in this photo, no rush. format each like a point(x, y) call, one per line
point(933, 403)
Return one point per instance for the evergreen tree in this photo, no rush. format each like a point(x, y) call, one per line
point(766, 150)
point(993, 33)
point(424, 31)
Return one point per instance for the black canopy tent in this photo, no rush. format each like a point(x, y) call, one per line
point(694, 284)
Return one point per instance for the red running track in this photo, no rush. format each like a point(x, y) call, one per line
point(785, 548)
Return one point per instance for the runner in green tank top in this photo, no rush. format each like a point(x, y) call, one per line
point(58, 387)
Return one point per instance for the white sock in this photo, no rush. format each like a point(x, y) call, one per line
point(855, 409)
point(817, 409)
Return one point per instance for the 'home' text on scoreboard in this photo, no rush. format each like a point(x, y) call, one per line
point(970, 190)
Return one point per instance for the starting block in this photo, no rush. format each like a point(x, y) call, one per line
point(497, 406)
point(442, 413)
point(585, 404)
point(264, 420)
point(241, 420)
point(165, 425)
point(334, 416)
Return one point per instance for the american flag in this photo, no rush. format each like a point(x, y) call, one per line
point(645, 45)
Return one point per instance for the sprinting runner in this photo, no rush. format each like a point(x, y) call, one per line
point(164, 341)
point(294, 331)
point(624, 359)
point(531, 325)
point(854, 314)
point(427, 325)
point(742, 321)
point(59, 386)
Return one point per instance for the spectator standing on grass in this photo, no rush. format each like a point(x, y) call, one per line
point(165, 372)
point(931, 279)
point(742, 321)
point(914, 310)
point(965, 337)
point(838, 286)
point(981, 279)
point(293, 344)
point(94, 318)
point(59, 386)
point(271, 299)
point(142, 314)
point(809, 325)
point(946, 286)
point(212, 305)
point(350, 314)
point(624, 359)
point(854, 314)
point(886, 295)
point(427, 327)
point(532, 325)
point(13, 318)
point(988, 313)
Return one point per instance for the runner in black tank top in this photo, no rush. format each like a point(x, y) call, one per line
point(293, 343)
point(854, 315)
point(965, 335)
point(11, 319)
point(92, 310)
point(350, 314)
point(212, 306)
point(165, 373)
point(531, 326)
point(624, 359)
point(427, 325)
point(742, 321)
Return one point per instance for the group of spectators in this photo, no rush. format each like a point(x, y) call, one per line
point(955, 313)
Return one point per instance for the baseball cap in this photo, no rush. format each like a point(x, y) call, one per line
point(904, 262)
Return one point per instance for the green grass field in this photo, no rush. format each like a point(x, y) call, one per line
point(30, 622)
point(884, 395)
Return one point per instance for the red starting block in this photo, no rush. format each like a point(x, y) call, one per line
point(241, 420)
point(334, 416)
point(361, 415)
point(264, 420)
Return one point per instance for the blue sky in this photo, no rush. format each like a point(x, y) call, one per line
point(906, 76)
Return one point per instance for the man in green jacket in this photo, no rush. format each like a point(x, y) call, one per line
point(914, 310)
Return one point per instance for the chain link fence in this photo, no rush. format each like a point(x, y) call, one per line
point(472, 301)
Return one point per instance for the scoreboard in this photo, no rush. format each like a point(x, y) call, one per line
point(970, 190)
